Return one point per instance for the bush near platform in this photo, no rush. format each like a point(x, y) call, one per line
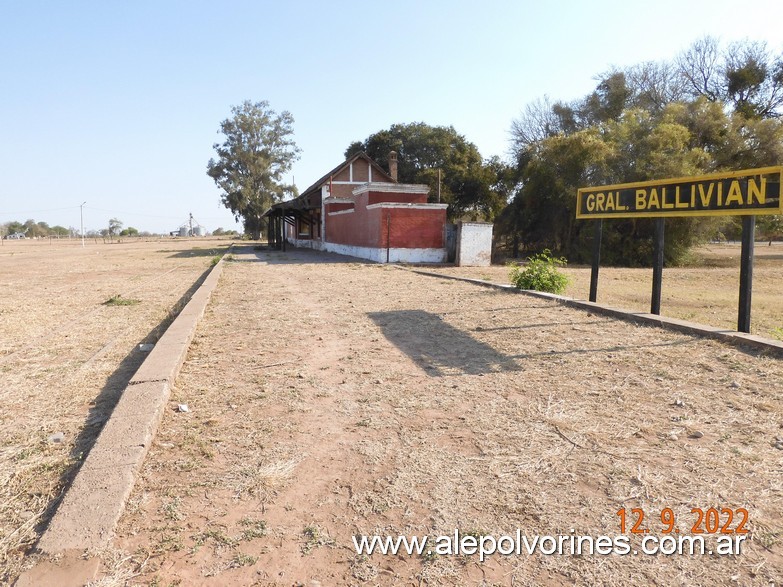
point(540, 273)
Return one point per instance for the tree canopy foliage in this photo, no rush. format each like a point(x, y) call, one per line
point(470, 186)
point(33, 229)
point(257, 152)
point(711, 109)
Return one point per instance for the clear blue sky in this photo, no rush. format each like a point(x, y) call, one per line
point(118, 103)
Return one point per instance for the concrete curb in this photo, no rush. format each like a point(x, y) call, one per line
point(88, 514)
point(727, 336)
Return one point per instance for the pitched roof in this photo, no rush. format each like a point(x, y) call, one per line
point(304, 201)
point(362, 155)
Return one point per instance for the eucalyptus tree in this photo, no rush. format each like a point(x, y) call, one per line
point(256, 153)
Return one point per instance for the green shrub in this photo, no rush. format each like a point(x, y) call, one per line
point(540, 273)
point(118, 300)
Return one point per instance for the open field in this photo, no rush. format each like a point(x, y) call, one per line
point(329, 399)
point(706, 294)
point(65, 355)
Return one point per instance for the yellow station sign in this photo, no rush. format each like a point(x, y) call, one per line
point(753, 191)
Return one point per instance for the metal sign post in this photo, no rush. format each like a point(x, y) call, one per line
point(597, 231)
point(746, 273)
point(655, 300)
point(738, 193)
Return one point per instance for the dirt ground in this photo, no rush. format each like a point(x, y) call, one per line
point(706, 293)
point(329, 399)
point(64, 357)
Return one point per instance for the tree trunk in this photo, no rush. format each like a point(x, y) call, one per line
point(253, 226)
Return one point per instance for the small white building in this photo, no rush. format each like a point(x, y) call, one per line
point(474, 244)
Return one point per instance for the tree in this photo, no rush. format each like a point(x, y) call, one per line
point(538, 121)
point(115, 225)
point(220, 231)
point(645, 125)
point(130, 231)
point(699, 67)
point(13, 227)
point(35, 229)
point(745, 75)
point(754, 80)
point(654, 84)
point(608, 101)
point(42, 229)
point(770, 227)
point(466, 182)
point(257, 152)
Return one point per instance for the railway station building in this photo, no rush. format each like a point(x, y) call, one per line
point(360, 209)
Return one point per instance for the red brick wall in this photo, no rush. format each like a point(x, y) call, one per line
point(342, 190)
point(360, 228)
point(378, 197)
point(412, 228)
point(361, 173)
point(360, 170)
point(344, 175)
point(337, 207)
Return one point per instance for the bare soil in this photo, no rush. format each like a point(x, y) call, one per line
point(706, 292)
point(65, 355)
point(329, 399)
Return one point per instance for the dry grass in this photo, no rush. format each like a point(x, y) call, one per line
point(65, 355)
point(342, 399)
point(706, 293)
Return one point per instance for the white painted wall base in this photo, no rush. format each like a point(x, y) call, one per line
point(374, 254)
point(395, 255)
point(306, 243)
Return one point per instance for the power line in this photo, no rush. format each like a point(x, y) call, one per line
point(147, 215)
point(21, 212)
point(130, 213)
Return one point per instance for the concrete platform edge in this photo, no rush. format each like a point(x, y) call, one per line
point(727, 336)
point(87, 517)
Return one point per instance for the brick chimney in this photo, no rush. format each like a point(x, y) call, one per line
point(393, 165)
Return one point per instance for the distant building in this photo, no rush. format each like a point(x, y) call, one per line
point(359, 209)
point(191, 227)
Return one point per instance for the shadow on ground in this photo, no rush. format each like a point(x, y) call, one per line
point(195, 252)
point(291, 256)
point(441, 349)
point(107, 399)
point(438, 347)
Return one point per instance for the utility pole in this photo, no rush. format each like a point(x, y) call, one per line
point(190, 224)
point(81, 214)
